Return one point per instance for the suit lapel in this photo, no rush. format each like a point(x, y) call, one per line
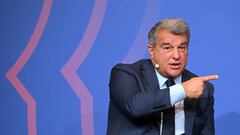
point(189, 108)
point(151, 80)
point(150, 76)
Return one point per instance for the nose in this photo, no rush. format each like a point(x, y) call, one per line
point(175, 54)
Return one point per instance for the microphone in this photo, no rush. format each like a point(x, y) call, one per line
point(156, 66)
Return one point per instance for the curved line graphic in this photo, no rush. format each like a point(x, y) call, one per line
point(69, 70)
point(139, 46)
point(12, 74)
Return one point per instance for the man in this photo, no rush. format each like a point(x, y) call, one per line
point(142, 100)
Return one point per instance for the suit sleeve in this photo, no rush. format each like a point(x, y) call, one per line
point(208, 128)
point(133, 100)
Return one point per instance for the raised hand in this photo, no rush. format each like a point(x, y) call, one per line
point(194, 87)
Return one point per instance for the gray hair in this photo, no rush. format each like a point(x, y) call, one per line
point(174, 26)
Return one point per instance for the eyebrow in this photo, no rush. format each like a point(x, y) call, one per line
point(184, 43)
point(165, 43)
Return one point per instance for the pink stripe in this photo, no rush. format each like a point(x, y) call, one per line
point(69, 70)
point(20, 63)
point(139, 47)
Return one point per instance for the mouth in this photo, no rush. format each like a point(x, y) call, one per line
point(175, 66)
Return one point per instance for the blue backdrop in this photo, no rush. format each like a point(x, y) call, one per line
point(56, 57)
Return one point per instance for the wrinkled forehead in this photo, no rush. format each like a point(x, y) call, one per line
point(174, 31)
point(165, 37)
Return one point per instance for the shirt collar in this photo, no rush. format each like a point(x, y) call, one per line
point(162, 80)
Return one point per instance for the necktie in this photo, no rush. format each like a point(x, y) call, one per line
point(169, 116)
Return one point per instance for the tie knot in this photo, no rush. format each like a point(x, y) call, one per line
point(170, 82)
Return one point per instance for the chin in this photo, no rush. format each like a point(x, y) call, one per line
point(175, 74)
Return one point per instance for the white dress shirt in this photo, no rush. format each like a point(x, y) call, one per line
point(177, 94)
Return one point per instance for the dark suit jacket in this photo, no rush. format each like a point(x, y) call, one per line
point(136, 102)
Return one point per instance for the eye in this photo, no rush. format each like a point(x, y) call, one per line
point(182, 48)
point(167, 47)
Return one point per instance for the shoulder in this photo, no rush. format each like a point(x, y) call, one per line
point(130, 72)
point(126, 72)
point(133, 67)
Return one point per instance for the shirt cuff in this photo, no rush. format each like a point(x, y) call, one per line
point(177, 93)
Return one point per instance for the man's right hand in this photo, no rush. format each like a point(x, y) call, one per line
point(194, 87)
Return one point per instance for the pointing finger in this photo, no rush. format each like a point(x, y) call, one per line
point(207, 78)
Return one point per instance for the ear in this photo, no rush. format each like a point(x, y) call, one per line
point(150, 51)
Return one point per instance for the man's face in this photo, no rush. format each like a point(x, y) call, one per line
point(170, 53)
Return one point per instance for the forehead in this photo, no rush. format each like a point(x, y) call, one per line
point(164, 36)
